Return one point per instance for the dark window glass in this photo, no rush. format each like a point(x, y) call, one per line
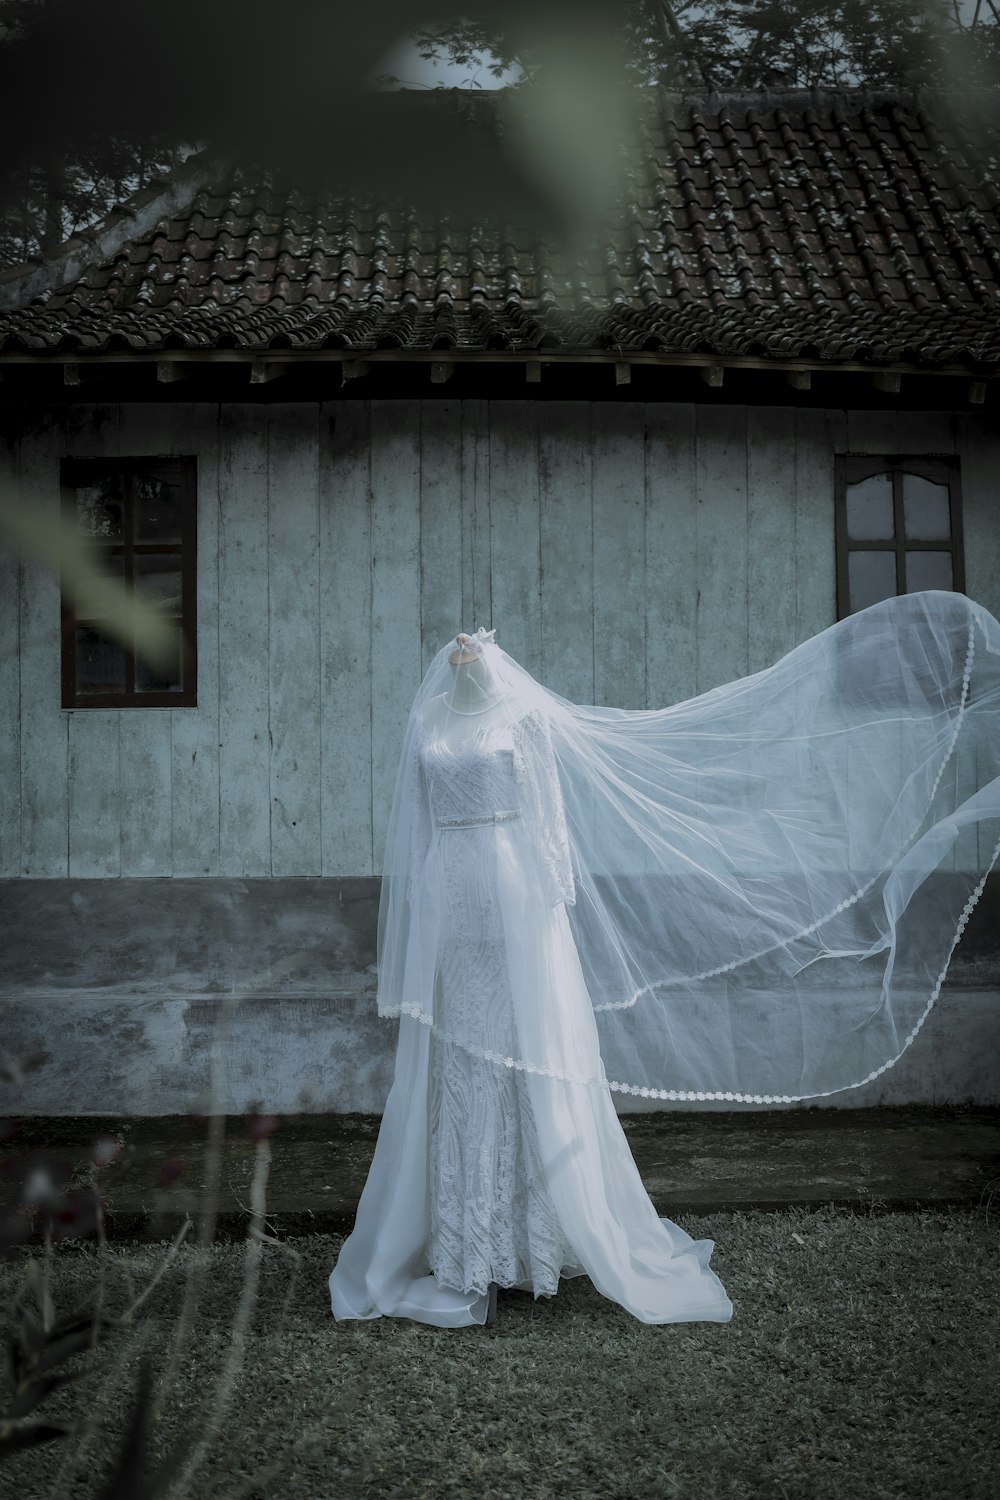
point(158, 575)
point(100, 662)
point(158, 504)
point(872, 577)
point(869, 509)
point(928, 570)
point(926, 509)
point(100, 507)
point(167, 676)
point(138, 515)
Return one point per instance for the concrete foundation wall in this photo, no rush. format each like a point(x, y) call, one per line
point(123, 984)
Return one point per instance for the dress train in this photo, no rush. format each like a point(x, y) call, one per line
point(646, 1263)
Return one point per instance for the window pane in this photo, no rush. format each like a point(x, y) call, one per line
point(872, 576)
point(869, 510)
point(928, 570)
point(100, 507)
point(159, 575)
point(100, 662)
point(156, 496)
point(925, 506)
point(92, 603)
point(164, 678)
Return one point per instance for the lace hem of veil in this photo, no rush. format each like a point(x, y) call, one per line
point(677, 1095)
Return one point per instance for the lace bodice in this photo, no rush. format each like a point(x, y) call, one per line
point(474, 780)
point(504, 770)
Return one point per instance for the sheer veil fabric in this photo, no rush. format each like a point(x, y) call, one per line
point(751, 896)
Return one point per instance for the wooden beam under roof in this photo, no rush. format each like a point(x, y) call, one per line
point(887, 380)
point(798, 374)
point(263, 371)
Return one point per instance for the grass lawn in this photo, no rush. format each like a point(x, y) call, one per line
point(862, 1361)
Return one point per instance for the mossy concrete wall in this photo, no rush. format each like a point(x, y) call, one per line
point(123, 984)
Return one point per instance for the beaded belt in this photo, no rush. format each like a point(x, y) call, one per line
point(500, 817)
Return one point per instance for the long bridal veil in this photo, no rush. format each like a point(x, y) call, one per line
point(757, 891)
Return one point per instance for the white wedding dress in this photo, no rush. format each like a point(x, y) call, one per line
point(750, 897)
point(504, 1173)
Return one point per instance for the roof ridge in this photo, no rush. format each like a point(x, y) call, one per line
point(877, 93)
point(168, 193)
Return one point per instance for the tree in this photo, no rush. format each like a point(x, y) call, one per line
point(54, 182)
point(754, 44)
point(99, 96)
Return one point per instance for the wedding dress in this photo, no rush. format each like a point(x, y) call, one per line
point(483, 1174)
point(740, 894)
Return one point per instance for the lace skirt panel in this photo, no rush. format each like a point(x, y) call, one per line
point(491, 1215)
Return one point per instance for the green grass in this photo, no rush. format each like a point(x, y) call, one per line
point(861, 1361)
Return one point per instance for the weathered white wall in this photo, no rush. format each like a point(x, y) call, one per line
point(629, 554)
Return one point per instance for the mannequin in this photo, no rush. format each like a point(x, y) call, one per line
point(472, 704)
point(751, 896)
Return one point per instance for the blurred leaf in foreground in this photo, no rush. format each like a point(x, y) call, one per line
point(130, 613)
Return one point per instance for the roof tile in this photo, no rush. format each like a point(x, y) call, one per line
point(791, 225)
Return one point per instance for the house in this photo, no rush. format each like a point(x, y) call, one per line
point(330, 432)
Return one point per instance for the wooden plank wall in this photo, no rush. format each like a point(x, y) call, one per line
point(627, 554)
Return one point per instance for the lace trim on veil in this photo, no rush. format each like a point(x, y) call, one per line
point(689, 1094)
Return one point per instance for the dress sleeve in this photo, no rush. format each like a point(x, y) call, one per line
point(539, 777)
point(420, 830)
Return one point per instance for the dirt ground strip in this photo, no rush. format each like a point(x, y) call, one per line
point(708, 1162)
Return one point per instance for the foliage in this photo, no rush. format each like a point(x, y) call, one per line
point(99, 97)
point(39, 1342)
point(860, 1361)
point(53, 189)
point(755, 44)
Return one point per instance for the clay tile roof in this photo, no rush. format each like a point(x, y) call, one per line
point(840, 227)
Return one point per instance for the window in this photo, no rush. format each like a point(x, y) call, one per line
point(140, 513)
point(899, 528)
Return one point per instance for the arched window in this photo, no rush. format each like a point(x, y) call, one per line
point(899, 527)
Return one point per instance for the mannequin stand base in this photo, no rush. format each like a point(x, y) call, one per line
point(491, 1306)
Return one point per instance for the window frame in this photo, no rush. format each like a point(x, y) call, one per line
point(850, 468)
point(76, 471)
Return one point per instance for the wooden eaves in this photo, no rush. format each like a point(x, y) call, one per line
point(265, 367)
